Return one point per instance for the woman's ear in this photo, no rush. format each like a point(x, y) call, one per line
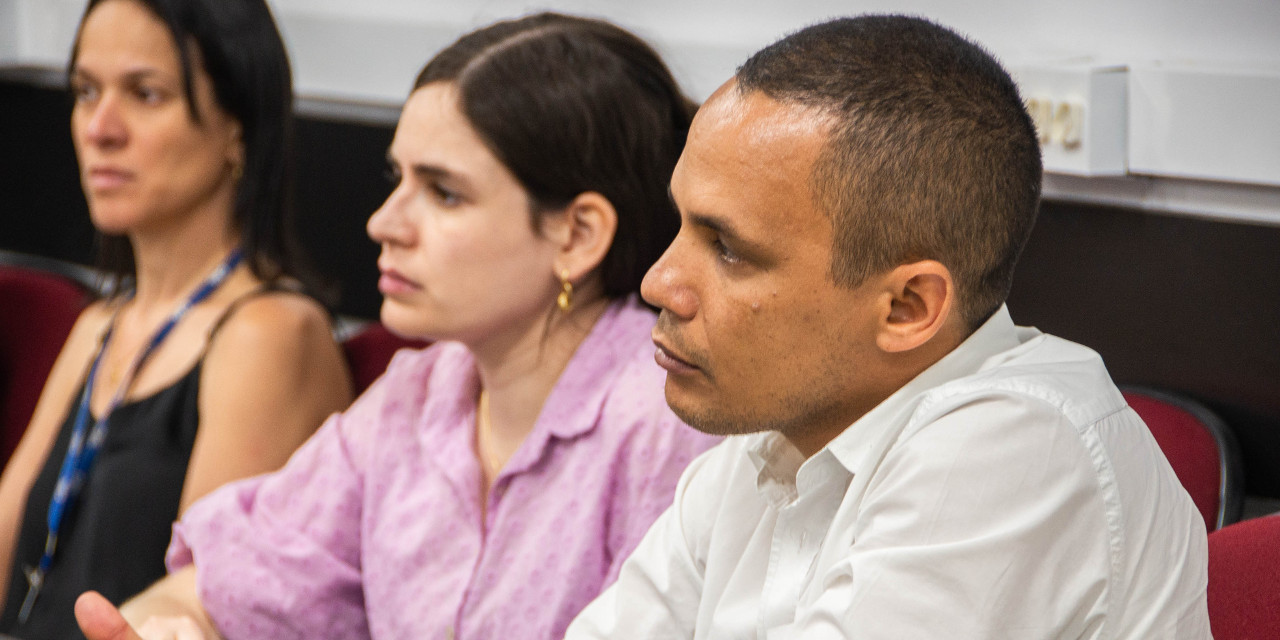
point(584, 232)
point(235, 147)
point(922, 300)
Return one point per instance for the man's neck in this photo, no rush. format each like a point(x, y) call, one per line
point(898, 370)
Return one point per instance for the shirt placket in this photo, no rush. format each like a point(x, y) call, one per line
point(490, 506)
point(797, 537)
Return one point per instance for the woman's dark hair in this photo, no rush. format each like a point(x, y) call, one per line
point(240, 48)
point(572, 105)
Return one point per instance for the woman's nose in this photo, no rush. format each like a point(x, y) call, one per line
point(391, 224)
point(105, 125)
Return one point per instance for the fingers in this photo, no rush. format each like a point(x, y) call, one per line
point(172, 627)
point(100, 620)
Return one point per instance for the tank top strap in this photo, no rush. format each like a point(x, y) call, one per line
point(265, 288)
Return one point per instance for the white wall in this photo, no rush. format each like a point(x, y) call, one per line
point(368, 51)
point(1227, 31)
point(8, 30)
point(705, 39)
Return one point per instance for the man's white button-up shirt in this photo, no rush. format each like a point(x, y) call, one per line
point(1006, 492)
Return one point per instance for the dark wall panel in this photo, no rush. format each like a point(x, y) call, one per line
point(1186, 304)
point(340, 181)
point(42, 209)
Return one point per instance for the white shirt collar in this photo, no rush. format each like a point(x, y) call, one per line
point(779, 463)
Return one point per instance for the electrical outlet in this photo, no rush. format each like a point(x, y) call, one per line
point(1080, 112)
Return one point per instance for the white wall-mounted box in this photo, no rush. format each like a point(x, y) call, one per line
point(9, 24)
point(38, 33)
point(1209, 123)
point(1080, 109)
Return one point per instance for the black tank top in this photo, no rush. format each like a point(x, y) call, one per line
point(114, 538)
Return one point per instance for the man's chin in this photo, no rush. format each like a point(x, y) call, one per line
point(705, 418)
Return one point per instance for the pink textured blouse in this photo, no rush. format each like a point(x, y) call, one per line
point(374, 528)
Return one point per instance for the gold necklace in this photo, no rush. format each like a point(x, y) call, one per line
point(484, 439)
point(116, 364)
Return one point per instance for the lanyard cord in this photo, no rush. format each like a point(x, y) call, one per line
point(81, 451)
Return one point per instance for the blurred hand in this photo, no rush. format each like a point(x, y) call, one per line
point(100, 620)
point(170, 628)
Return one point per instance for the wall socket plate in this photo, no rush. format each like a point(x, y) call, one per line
point(1081, 113)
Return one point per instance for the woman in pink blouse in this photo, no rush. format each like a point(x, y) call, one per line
point(491, 485)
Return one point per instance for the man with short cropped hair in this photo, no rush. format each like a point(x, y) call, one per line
point(912, 465)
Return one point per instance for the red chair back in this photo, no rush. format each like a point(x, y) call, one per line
point(1199, 447)
point(1244, 580)
point(369, 350)
point(37, 311)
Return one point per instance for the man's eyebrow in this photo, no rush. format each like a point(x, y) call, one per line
point(720, 226)
point(715, 223)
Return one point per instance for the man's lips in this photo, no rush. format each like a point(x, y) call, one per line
point(670, 360)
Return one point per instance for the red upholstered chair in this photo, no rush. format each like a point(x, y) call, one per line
point(37, 311)
point(369, 350)
point(1199, 447)
point(1244, 580)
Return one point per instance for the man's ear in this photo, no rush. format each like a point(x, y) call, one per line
point(922, 301)
point(584, 231)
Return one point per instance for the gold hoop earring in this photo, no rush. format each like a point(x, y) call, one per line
point(565, 299)
point(237, 172)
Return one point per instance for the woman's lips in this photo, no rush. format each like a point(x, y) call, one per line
point(107, 178)
point(392, 283)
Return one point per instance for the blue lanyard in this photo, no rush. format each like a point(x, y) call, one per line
point(81, 451)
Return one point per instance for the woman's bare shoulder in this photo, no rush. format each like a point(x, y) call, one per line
point(91, 324)
point(276, 330)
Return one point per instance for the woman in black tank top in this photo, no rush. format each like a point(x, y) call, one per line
point(200, 368)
